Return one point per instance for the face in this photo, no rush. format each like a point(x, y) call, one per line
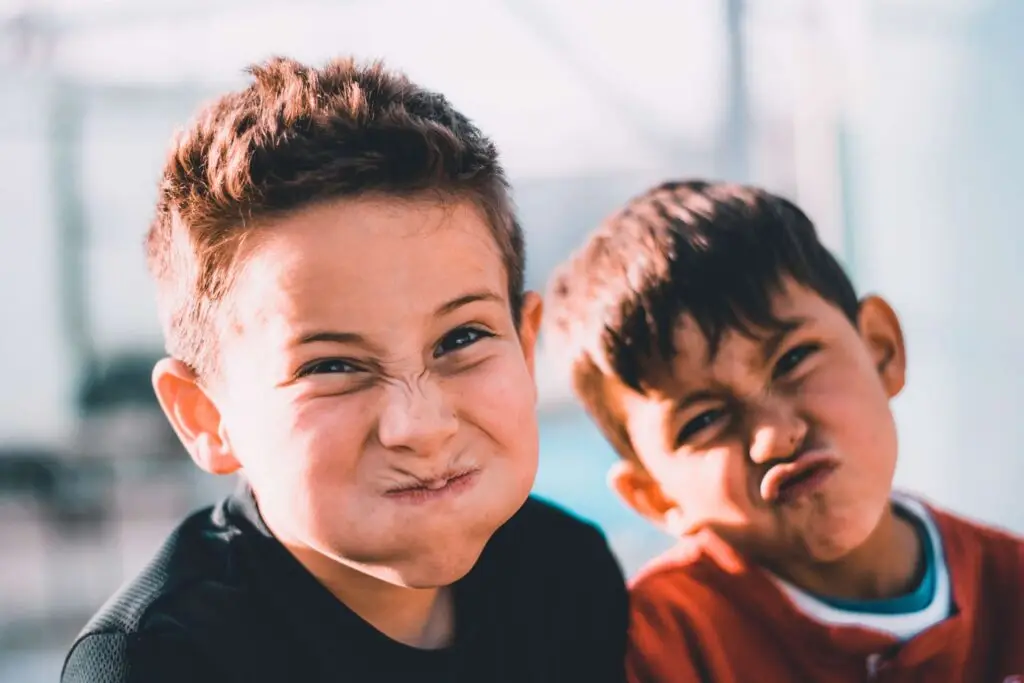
point(374, 389)
point(783, 445)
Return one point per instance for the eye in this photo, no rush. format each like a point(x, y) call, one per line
point(793, 358)
point(459, 338)
point(328, 366)
point(699, 424)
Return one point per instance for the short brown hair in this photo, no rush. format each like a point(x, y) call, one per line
point(715, 251)
point(296, 136)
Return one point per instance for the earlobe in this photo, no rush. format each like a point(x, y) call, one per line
point(194, 416)
point(530, 316)
point(639, 491)
point(881, 332)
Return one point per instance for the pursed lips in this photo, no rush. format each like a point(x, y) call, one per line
point(434, 483)
point(802, 474)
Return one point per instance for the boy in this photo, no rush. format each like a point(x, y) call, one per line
point(340, 282)
point(723, 352)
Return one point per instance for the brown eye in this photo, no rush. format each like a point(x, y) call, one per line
point(329, 366)
point(459, 338)
point(792, 358)
point(698, 424)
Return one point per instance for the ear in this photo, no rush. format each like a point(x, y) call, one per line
point(194, 416)
point(880, 329)
point(641, 492)
point(530, 316)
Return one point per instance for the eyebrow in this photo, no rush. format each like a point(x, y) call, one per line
point(335, 337)
point(769, 347)
point(459, 302)
point(695, 397)
point(772, 343)
point(357, 339)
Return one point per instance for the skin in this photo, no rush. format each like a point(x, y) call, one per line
point(711, 428)
point(367, 354)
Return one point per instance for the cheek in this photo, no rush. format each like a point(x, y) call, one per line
point(328, 435)
point(714, 485)
point(496, 406)
point(299, 450)
point(306, 460)
point(730, 479)
point(499, 398)
point(849, 406)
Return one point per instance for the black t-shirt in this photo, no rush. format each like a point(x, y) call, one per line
point(224, 601)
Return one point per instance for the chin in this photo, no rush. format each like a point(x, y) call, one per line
point(839, 535)
point(828, 550)
point(436, 572)
point(449, 556)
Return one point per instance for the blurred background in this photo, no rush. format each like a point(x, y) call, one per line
point(894, 123)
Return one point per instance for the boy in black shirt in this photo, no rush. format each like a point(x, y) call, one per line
point(340, 281)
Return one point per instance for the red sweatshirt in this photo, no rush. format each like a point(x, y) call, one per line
point(701, 614)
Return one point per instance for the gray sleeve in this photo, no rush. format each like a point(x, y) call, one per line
point(117, 657)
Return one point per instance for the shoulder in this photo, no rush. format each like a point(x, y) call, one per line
point(986, 572)
point(195, 556)
point(561, 588)
point(542, 534)
point(678, 603)
point(966, 541)
point(696, 589)
point(982, 555)
point(667, 589)
point(686, 574)
point(551, 520)
point(148, 656)
point(547, 558)
point(156, 615)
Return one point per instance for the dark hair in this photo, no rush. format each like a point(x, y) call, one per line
point(715, 251)
point(296, 136)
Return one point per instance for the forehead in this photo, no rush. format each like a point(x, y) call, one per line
point(693, 363)
point(357, 262)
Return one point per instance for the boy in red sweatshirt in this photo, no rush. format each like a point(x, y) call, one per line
point(724, 353)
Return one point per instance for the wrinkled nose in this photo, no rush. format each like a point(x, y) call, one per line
point(416, 418)
point(777, 432)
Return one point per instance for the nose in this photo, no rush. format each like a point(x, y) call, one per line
point(416, 418)
point(777, 432)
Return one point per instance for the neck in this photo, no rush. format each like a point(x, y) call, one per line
point(419, 617)
point(888, 564)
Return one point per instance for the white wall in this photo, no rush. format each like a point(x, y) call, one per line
point(935, 180)
point(33, 366)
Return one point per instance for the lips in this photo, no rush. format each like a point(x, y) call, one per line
point(792, 480)
point(449, 480)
